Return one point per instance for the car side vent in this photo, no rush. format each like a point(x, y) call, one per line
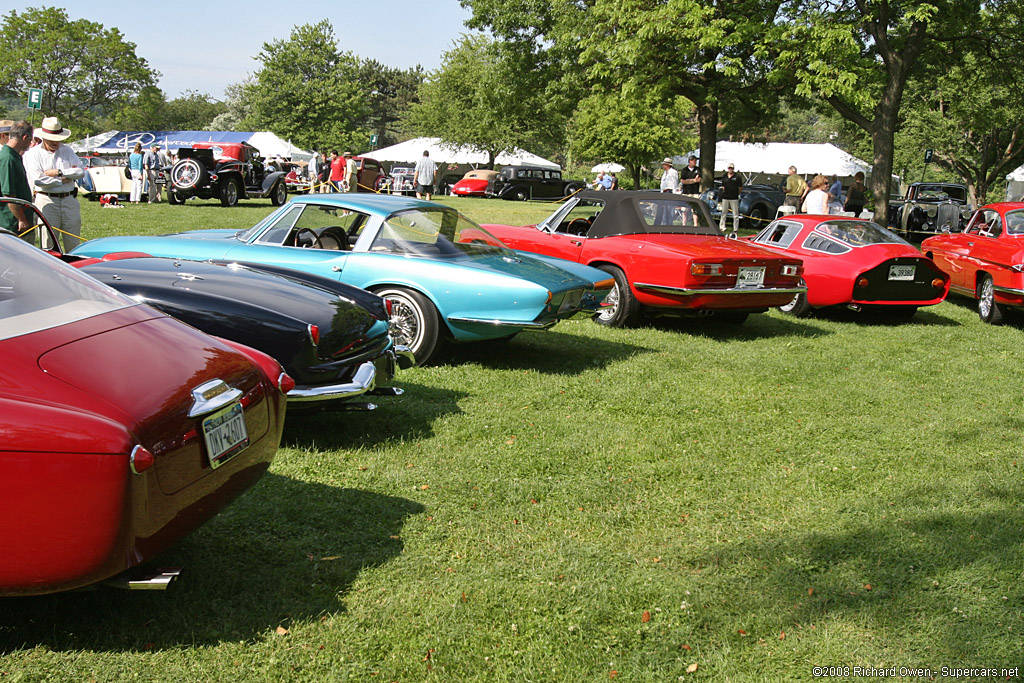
point(818, 243)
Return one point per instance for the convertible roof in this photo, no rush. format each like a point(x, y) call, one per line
point(623, 215)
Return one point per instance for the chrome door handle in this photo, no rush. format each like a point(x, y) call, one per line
point(577, 243)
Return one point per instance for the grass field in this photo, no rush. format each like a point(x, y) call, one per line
point(677, 502)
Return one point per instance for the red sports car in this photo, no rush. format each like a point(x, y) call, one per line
point(665, 254)
point(474, 183)
point(123, 430)
point(986, 260)
point(856, 263)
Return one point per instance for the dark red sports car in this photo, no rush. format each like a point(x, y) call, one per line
point(854, 263)
point(986, 260)
point(123, 429)
point(665, 254)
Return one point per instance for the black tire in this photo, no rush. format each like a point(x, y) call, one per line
point(279, 193)
point(756, 221)
point(229, 192)
point(798, 307)
point(624, 310)
point(415, 322)
point(571, 189)
point(520, 194)
point(989, 310)
point(188, 174)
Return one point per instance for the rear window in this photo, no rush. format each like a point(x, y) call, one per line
point(858, 233)
point(38, 291)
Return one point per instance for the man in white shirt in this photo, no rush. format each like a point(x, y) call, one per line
point(423, 178)
point(151, 167)
point(52, 169)
point(670, 178)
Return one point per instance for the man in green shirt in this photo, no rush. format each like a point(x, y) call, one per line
point(796, 188)
point(14, 181)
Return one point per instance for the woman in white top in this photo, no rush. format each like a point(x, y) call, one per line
point(816, 201)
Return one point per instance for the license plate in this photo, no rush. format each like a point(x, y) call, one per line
point(901, 272)
point(225, 434)
point(750, 277)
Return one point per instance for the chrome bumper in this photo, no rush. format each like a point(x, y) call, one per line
point(363, 381)
point(506, 323)
point(690, 291)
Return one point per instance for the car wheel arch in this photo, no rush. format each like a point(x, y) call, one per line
point(381, 286)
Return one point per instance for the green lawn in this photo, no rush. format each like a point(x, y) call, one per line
point(589, 504)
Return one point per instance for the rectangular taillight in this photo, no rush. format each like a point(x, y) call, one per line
point(706, 269)
point(791, 270)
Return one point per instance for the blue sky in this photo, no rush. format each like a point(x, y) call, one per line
point(205, 46)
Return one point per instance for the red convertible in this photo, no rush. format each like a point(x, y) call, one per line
point(123, 430)
point(986, 260)
point(854, 263)
point(475, 183)
point(665, 254)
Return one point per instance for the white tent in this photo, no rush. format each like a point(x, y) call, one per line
point(608, 167)
point(1015, 185)
point(121, 142)
point(775, 158)
point(410, 151)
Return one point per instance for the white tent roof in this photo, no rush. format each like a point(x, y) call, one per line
point(411, 150)
point(1017, 174)
point(777, 157)
point(120, 142)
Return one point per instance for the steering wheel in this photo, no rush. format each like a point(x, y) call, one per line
point(574, 221)
point(317, 244)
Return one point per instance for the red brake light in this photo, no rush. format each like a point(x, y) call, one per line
point(388, 305)
point(938, 283)
point(314, 334)
point(863, 282)
point(285, 383)
point(141, 460)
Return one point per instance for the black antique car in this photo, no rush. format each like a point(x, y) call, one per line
point(930, 209)
point(758, 204)
point(333, 339)
point(531, 182)
point(227, 171)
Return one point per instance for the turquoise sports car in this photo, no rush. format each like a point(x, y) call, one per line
point(409, 252)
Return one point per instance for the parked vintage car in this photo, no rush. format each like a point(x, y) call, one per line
point(228, 171)
point(331, 338)
point(986, 260)
point(531, 182)
point(930, 209)
point(854, 263)
point(123, 429)
point(370, 174)
point(399, 181)
point(296, 178)
point(758, 204)
point(104, 175)
point(407, 251)
point(476, 183)
point(665, 254)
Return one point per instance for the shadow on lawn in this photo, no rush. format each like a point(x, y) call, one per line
point(951, 576)
point(881, 318)
point(407, 417)
point(285, 552)
point(758, 326)
point(554, 353)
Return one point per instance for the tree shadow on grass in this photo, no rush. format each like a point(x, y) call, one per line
point(287, 551)
point(410, 416)
point(952, 577)
point(553, 353)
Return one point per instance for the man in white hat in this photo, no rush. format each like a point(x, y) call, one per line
point(670, 178)
point(52, 169)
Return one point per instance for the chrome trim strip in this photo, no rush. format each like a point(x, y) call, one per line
point(505, 323)
point(1009, 290)
point(364, 380)
point(220, 395)
point(691, 291)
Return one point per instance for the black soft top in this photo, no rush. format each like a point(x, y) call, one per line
point(628, 212)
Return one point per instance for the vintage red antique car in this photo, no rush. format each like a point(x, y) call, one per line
point(854, 263)
point(986, 260)
point(123, 429)
point(665, 254)
point(475, 183)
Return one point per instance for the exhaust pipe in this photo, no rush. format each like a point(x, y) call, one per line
point(149, 580)
point(854, 307)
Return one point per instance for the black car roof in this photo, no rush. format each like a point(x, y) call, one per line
point(622, 214)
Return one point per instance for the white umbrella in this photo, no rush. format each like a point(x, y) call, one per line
point(608, 168)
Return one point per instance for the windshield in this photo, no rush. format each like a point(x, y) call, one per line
point(858, 233)
point(942, 193)
point(434, 232)
point(38, 291)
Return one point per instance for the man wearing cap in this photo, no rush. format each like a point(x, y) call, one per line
point(670, 178)
point(52, 169)
point(13, 181)
point(151, 167)
point(731, 185)
point(351, 173)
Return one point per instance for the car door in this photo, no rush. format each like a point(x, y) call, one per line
point(952, 254)
point(986, 252)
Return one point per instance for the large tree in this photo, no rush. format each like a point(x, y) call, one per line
point(83, 69)
point(858, 55)
point(307, 91)
point(392, 92)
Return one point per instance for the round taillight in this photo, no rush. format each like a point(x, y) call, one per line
point(285, 383)
point(314, 334)
point(863, 282)
point(938, 283)
point(141, 460)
